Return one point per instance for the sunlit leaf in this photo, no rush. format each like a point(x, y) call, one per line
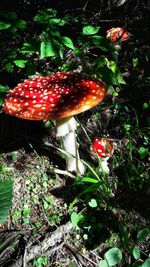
point(57, 21)
point(20, 63)
point(113, 256)
point(89, 30)
point(67, 42)
point(93, 203)
point(4, 89)
point(4, 26)
point(136, 253)
point(143, 152)
point(103, 263)
point(47, 49)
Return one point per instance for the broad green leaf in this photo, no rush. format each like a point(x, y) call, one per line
point(93, 203)
point(47, 49)
point(143, 152)
point(136, 253)
point(119, 78)
point(146, 263)
point(5, 198)
point(4, 26)
point(103, 263)
point(21, 24)
point(74, 219)
point(57, 21)
point(113, 256)
point(142, 234)
point(146, 105)
point(4, 89)
point(112, 65)
point(20, 63)
point(89, 30)
point(135, 62)
point(67, 42)
point(102, 43)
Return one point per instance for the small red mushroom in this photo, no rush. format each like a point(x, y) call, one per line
point(117, 35)
point(104, 149)
point(58, 97)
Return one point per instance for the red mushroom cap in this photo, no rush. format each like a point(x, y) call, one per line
point(117, 35)
point(102, 147)
point(59, 95)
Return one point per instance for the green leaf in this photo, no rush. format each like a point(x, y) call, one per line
point(57, 21)
point(146, 263)
point(136, 253)
point(89, 30)
point(4, 26)
point(9, 67)
point(20, 63)
point(113, 256)
point(142, 234)
point(47, 49)
point(112, 65)
point(102, 43)
point(143, 152)
point(75, 218)
point(93, 203)
point(135, 62)
point(67, 42)
point(103, 263)
point(146, 105)
point(21, 24)
point(43, 16)
point(4, 89)
point(89, 180)
point(30, 48)
point(6, 187)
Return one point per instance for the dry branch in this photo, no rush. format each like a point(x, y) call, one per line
point(48, 243)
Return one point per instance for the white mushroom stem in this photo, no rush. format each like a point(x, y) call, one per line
point(66, 129)
point(104, 166)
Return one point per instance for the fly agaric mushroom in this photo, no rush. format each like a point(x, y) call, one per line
point(117, 36)
point(104, 149)
point(58, 97)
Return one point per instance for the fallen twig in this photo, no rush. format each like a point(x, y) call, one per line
point(50, 241)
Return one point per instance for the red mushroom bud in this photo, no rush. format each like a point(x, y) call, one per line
point(58, 96)
point(117, 35)
point(104, 149)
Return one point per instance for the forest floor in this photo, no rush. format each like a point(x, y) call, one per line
point(57, 219)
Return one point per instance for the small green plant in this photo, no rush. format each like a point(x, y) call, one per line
point(40, 261)
point(111, 258)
